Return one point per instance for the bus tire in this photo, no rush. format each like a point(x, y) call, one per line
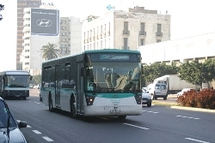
point(73, 111)
point(50, 104)
point(122, 117)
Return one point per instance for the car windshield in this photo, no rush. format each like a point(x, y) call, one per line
point(6, 119)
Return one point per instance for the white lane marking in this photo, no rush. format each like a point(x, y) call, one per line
point(196, 140)
point(150, 111)
point(37, 102)
point(28, 126)
point(187, 117)
point(36, 132)
point(48, 139)
point(144, 128)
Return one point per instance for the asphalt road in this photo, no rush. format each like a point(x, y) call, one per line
point(157, 124)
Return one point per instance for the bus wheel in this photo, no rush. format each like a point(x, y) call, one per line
point(50, 104)
point(122, 117)
point(73, 111)
point(24, 98)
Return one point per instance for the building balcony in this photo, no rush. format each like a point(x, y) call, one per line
point(108, 33)
point(26, 15)
point(142, 33)
point(159, 33)
point(27, 41)
point(126, 32)
point(26, 22)
point(26, 29)
point(26, 35)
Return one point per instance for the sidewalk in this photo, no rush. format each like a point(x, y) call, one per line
point(172, 103)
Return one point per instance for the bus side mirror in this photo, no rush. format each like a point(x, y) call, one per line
point(31, 77)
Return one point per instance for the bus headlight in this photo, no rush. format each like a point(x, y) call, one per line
point(89, 99)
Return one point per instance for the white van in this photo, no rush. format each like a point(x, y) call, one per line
point(158, 90)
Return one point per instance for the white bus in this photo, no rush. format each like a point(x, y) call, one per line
point(95, 83)
point(14, 83)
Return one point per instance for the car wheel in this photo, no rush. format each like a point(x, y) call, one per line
point(149, 104)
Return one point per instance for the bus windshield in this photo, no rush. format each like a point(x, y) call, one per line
point(113, 76)
point(17, 80)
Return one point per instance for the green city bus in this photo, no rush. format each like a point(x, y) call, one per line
point(94, 83)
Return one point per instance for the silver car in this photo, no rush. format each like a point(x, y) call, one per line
point(9, 128)
point(146, 97)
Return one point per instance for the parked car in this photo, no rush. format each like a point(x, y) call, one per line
point(10, 128)
point(146, 97)
point(183, 91)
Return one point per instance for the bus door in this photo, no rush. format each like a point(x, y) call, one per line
point(80, 88)
point(57, 87)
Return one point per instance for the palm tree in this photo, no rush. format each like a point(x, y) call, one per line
point(50, 51)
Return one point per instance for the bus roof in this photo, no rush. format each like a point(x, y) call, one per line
point(112, 50)
point(15, 72)
point(97, 51)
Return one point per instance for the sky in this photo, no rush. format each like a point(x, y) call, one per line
point(188, 18)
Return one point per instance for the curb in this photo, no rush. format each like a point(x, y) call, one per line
point(183, 107)
point(194, 109)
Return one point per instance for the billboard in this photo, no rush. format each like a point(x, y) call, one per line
point(44, 22)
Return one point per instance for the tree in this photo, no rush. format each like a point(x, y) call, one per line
point(50, 51)
point(198, 73)
point(155, 70)
point(1, 8)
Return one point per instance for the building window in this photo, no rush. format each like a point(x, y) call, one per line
point(142, 42)
point(158, 27)
point(159, 33)
point(126, 25)
point(125, 44)
point(126, 31)
point(142, 29)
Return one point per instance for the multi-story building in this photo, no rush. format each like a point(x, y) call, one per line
point(200, 47)
point(70, 36)
point(125, 30)
point(21, 4)
point(41, 26)
point(64, 41)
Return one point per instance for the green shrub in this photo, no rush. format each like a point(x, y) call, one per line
point(202, 99)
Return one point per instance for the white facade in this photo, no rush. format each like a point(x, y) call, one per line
point(75, 36)
point(31, 56)
point(199, 47)
point(125, 30)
